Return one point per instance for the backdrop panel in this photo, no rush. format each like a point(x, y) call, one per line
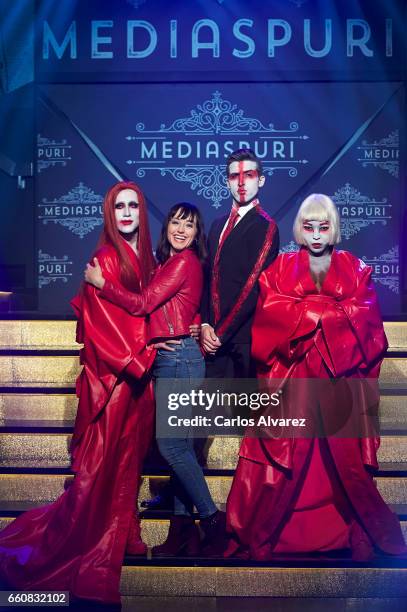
point(343, 139)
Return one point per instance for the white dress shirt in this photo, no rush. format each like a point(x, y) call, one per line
point(241, 211)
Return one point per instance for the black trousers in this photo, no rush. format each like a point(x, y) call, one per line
point(231, 360)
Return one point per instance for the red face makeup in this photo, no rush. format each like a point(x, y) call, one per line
point(244, 181)
point(126, 211)
point(316, 235)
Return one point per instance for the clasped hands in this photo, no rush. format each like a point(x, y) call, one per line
point(206, 333)
point(209, 340)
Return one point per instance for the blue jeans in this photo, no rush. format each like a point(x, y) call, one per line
point(190, 487)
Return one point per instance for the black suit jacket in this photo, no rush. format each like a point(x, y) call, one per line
point(237, 259)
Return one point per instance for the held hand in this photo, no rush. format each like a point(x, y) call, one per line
point(166, 346)
point(209, 340)
point(195, 330)
point(93, 274)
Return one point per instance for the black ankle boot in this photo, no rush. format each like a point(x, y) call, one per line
point(183, 539)
point(214, 528)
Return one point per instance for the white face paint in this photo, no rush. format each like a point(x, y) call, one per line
point(126, 211)
point(244, 181)
point(181, 232)
point(316, 235)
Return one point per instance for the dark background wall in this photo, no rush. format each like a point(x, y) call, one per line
point(18, 268)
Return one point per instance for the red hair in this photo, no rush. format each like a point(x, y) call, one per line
point(111, 235)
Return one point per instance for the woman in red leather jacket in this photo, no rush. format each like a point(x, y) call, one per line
point(172, 301)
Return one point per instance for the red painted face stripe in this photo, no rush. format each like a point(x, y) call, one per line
point(241, 180)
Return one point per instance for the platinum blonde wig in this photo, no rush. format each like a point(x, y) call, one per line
point(318, 207)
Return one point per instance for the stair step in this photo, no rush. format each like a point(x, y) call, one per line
point(393, 412)
point(38, 334)
point(265, 604)
point(38, 406)
point(43, 488)
point(396, 333)
point(154, 532)
point(265, 582)
point(51, 450)
point(61, 407)
point(394, 372)
point(35, 427)
point(54, 410)
point(61, 334)
point(10, 509)
point(44, 371)
point(51, 371)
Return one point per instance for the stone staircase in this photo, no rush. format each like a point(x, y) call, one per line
point(38, 367)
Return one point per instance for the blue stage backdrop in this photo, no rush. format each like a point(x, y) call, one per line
point(162, 92)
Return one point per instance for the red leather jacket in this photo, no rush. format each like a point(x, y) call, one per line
point(171, 299)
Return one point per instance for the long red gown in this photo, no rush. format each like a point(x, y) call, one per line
point(302, 494)
point(77, 543)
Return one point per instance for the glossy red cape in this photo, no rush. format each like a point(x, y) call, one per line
point(114, 342)
point(77, 543)
point(301, 333)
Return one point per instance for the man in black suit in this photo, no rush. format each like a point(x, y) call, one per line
point(241, 245)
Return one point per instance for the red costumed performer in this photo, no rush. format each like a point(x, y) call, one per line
point(77, 543)
point(317, 318)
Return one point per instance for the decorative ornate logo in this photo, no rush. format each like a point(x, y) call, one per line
point(212, 131)
point(52, 269)
point(51, 153)
point(358, 211)
point(386, 269)
point(79, 210)
point(382, 153)
point(291, 247)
